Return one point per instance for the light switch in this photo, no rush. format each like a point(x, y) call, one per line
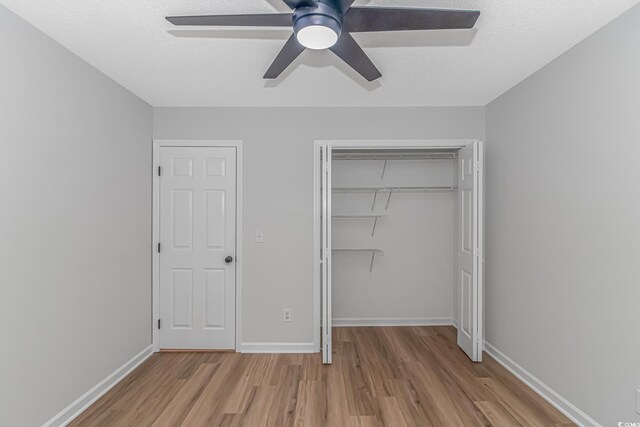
point(259, 236)
point(638, 401)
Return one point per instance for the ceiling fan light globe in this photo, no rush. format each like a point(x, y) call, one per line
point(318, 28)
point(317, 37)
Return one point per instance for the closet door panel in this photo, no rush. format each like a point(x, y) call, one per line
point(327, 314)
point(469, 336)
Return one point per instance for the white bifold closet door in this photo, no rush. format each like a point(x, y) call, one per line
point(325, 252)
point(469, 277)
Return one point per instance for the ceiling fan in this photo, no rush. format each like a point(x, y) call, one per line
point(328, 24)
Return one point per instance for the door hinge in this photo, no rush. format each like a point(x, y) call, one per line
point(159, 170)
point(158, 247)
point(158, 323)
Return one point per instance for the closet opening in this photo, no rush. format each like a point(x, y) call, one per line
point(398, 237)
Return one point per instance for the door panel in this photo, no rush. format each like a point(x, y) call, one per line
point(215, 280)
point(197, 233)
point(182, 283)
point(467, 299)
point(216, 224)
point(469, 274)
point(182, 219)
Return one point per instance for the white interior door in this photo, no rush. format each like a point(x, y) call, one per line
point(327, 326)
point(469, 280)
point(197, 247)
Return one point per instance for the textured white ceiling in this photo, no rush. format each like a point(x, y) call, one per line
point(130, 41)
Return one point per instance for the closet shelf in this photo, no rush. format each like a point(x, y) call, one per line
point(391, 190)
point(344, 217)
point(373, 251)
point(409, 189)
point(375, 219)
point(380, 251)
point(437, 155)
point(386, 157)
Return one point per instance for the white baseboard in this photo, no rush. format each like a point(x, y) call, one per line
point(69, 413)
point(355, 322)
point(277, 347)
point(559, 402)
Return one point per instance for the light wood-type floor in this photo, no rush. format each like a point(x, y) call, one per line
point(396, 377)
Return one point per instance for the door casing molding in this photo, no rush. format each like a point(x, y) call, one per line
point(155, 256)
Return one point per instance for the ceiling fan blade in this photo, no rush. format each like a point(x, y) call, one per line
point(346, 4)
point(364, 19)
point(260, 20)
point(291, 50)
point(293, 4)
point(350, 52)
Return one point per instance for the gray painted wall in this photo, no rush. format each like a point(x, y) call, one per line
point(563, 223)
point(75, 182)
point(278, 190)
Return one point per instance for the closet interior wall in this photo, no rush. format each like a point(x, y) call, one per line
point(412, 278)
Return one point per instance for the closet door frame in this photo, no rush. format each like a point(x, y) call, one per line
point(157, 145)
point(395, 144)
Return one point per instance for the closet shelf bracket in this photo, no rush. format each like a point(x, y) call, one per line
point(375, 196)
point(388, 199)
point(384, 169)
point(374, 252)
point(373, 257)
point(375, 219)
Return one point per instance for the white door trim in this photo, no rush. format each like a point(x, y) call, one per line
point(155, 258)
point(379, 144)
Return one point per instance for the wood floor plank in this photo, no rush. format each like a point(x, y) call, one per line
point(497, 414)
point(378, 362)
point(311, 404)
point(523, 411)
point(333, 392)
point(360, 400)
point(391, 414)
point(176, 411)
point(285, 397)
point(517, 387)
point(363, 421)
point(259, 407)
point(206, 409)
point(430, 390)
point(382, 377)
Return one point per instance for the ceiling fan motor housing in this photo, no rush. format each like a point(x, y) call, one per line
point(324, 14)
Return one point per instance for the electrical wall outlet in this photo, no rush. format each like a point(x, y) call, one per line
point(638, 401)
point(259, 236)
point(286, 315)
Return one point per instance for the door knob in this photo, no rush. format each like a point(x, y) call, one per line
point(228, 259)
